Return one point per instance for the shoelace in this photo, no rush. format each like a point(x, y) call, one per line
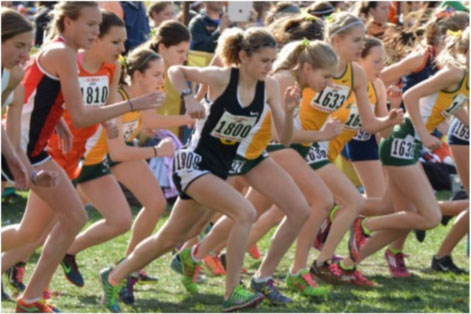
point(335, 270)
point(20, 272)
point(359, 276)
point(196, 273)
point(311, 282)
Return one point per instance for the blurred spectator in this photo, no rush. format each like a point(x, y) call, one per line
point(160, 11)
point(42, 20)
point(261, 8)
point(282, 9)
point(113, 6)
point(206, 26)
point(376, 16)
point(137, 24)
point(340, 5)
point(320, 9)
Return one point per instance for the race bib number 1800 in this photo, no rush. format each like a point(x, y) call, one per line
point(233, 128)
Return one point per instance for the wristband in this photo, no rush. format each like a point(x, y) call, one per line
point(155, 151)
point(131, 105)
point(34, 174)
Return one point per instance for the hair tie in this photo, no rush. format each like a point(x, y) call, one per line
point(122, 60)
point(341, 29)
point(456, 34)
point(308, 16)
point(305, 42)
point(152, 33)
point(445, 13)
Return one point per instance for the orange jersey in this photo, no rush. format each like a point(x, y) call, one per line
point(95, 89)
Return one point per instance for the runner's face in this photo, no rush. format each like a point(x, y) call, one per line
point(318, 79)
point(176, 54)
point(111, 45)
point(381, 12)
point(260, 63)
point(153, 77)
point(373, 63)
point(86, 27)
point(16, 49)
point(350, 45)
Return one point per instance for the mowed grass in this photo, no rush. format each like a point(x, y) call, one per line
point(426, 291)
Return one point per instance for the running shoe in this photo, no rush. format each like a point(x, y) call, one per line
point(396, 263)
point(53, 307)
point(176, 266)
point(213, 265)
point(241, 298)
point(329, 273)
point(446, 265)
point(254, 252)
point(145, 278)
point(304, 283)
point(357, 278)
point(446, 220)
point(324, 231)
point(357, 238)
point(420, 235)
point(15, 277)
point(191, 269)
point(40, 306)
point(268, 289)
point(71, 270)
point(126, 294)
point(5, 296)
point(110, 293)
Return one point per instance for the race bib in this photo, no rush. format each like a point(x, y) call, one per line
point(316, 153)
point(129, 128)
point(232, 128)
point(331, 98)
point(186, 160)
point(458, 102)
point(95, 90)
point(353, 120)
point(362, 136)
point(403, 148)
point(461, 132)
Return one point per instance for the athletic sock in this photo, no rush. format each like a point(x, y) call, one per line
point(294, 274)
point(194, 251)
point(332, 212)
point(31, 301)
point(112, 281)
point(395, 251)
point(345, 267)
point(365, 230)
point(261, 280)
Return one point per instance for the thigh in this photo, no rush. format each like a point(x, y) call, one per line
point(461, 156)
point(341, 187)
point(371, 175)
point(276, 184)
point(105, 194)
point(310, 183)
point(185, 215)
point(140, 180)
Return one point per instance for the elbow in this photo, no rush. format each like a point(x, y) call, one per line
point(173, 70)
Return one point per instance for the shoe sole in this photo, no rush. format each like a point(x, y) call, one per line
point(329, 280)
point(250, 304)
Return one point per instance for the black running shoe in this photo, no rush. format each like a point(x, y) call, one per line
point(15, 276)
point(445, 220)
point(420, 235)
point(71, 270)
point(446, 265)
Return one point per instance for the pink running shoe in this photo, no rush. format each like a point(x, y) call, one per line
point(397, 265)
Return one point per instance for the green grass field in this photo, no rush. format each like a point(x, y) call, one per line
point(424, 292)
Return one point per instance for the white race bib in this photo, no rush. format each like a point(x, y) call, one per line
point(403, 148)
point(95, 90)
point(461, 131)
point(362, 136)
point(331, 98)
point(317, 153)
point(457, 103)
point(186, 160)
point(129, 128)
point(233, 128)
point(353, 121)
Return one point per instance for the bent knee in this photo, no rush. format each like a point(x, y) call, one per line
point(121, 225)
point(433, 220)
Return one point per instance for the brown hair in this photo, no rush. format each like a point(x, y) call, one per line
point(157, 7)
point(234, 40)
point(297, 27)
point(137, 59)
point(317, 53)
point(13, 23)
point(109, 19)
point(62, 9)
point(363, 8)
point(370, 42)
point(442, 21)
point(320, 9)
point(169, 33)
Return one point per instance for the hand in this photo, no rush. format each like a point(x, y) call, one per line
point(111, 129)
point(66, 139)
point(396, 116)
point(331, 129)
point(394, 95)
point(291, 98)
point(148, 101)
point(191, 122)
point(18, 170)
point(165, 148)
point(431, 142)
point(193, 108)
point(46, 178)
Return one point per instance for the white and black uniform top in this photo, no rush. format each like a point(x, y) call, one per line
point(214, 141)
point(5, 80)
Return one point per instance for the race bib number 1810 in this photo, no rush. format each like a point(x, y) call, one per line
point(94, 89)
